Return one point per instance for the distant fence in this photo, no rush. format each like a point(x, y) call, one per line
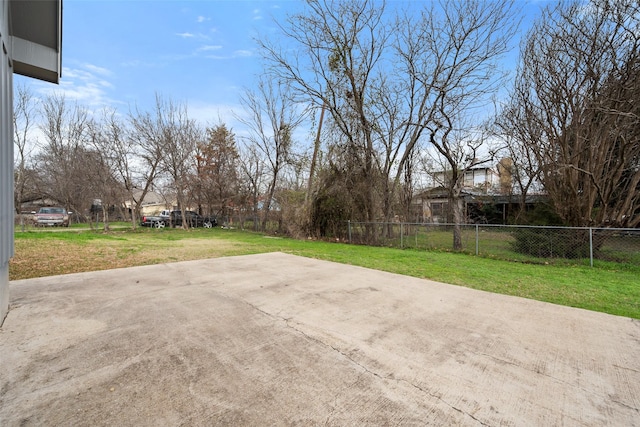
point(510, 242)
point(272, 225)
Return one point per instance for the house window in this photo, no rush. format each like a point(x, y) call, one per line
point(438, 209)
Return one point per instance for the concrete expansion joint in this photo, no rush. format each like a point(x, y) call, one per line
point(565, 383)
point(626, 368)
point(633, 408)
point(439, 398)
point(290, 324)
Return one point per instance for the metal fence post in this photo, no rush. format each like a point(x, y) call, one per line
point(401, 236)
point(591, 246)
point(477, 240)
point(349, 222)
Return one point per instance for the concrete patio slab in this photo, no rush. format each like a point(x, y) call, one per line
point(275, 339)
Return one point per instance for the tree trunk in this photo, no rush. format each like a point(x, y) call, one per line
point(268, 202)
point(457, 205)
point(105, 217)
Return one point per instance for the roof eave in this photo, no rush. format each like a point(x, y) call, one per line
point(37, 49)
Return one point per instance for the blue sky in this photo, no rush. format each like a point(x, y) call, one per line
point(121, 53)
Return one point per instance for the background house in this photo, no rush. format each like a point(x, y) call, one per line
point(31, 45)
point(480, 178)
point(487, 193)
point(152, 204)
point(432, 204)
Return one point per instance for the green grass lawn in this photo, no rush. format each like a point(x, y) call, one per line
point(608, 287)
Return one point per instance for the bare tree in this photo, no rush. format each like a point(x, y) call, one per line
point(24, 123)
point(101, 183)
point(577, 92)
point(179, 136)
point(146, 141)
point(272, 118)
point(524, 170)
point(252, 175)
point(111, 139)
point(390, 85)
point(449, 54)
point(61, 160)
point(337, 46)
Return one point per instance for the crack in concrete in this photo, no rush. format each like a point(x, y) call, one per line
point(585, 390)
point(626, 405)
point(435, 396)
point(335, 398)
point(288, 320)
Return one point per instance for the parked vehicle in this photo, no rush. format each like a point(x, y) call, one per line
point(51, 217)
point(193, 219)
point(159, 221)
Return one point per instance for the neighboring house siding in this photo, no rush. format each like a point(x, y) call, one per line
point(6, 159)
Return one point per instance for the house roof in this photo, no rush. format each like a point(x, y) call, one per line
point(36, 37)
point(470, 195)
point(151, 198)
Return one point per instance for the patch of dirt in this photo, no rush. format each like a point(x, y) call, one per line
point(35, 258)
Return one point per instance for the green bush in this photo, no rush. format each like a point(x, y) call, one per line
point(542, 214)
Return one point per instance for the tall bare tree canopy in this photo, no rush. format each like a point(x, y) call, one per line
point(178, 136)
point(575, 109)
point(394, 83)
point(24, 122)
point(450, 57)
point(64, 158)
point(272, 118)
point(112, 140)
point(333, 61)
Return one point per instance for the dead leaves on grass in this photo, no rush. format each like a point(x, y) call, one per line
point(49, 257)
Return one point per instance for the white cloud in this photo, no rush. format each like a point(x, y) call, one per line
point(84, 93)
point(257, 15)
point(105, 84)
point(98, 70)
point(200, 19)
point(138, 63)
point(242, 53)
point(235, 54)
point(85, 85)
point(199, 36)
point(208, 48)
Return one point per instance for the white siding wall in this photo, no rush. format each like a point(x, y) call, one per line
point(6, 158)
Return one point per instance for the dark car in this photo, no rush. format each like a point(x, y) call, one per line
point(152, 221)
point(159, 221)
point(193, 219)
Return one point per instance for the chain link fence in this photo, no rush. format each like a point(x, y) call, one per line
point(542, 245)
